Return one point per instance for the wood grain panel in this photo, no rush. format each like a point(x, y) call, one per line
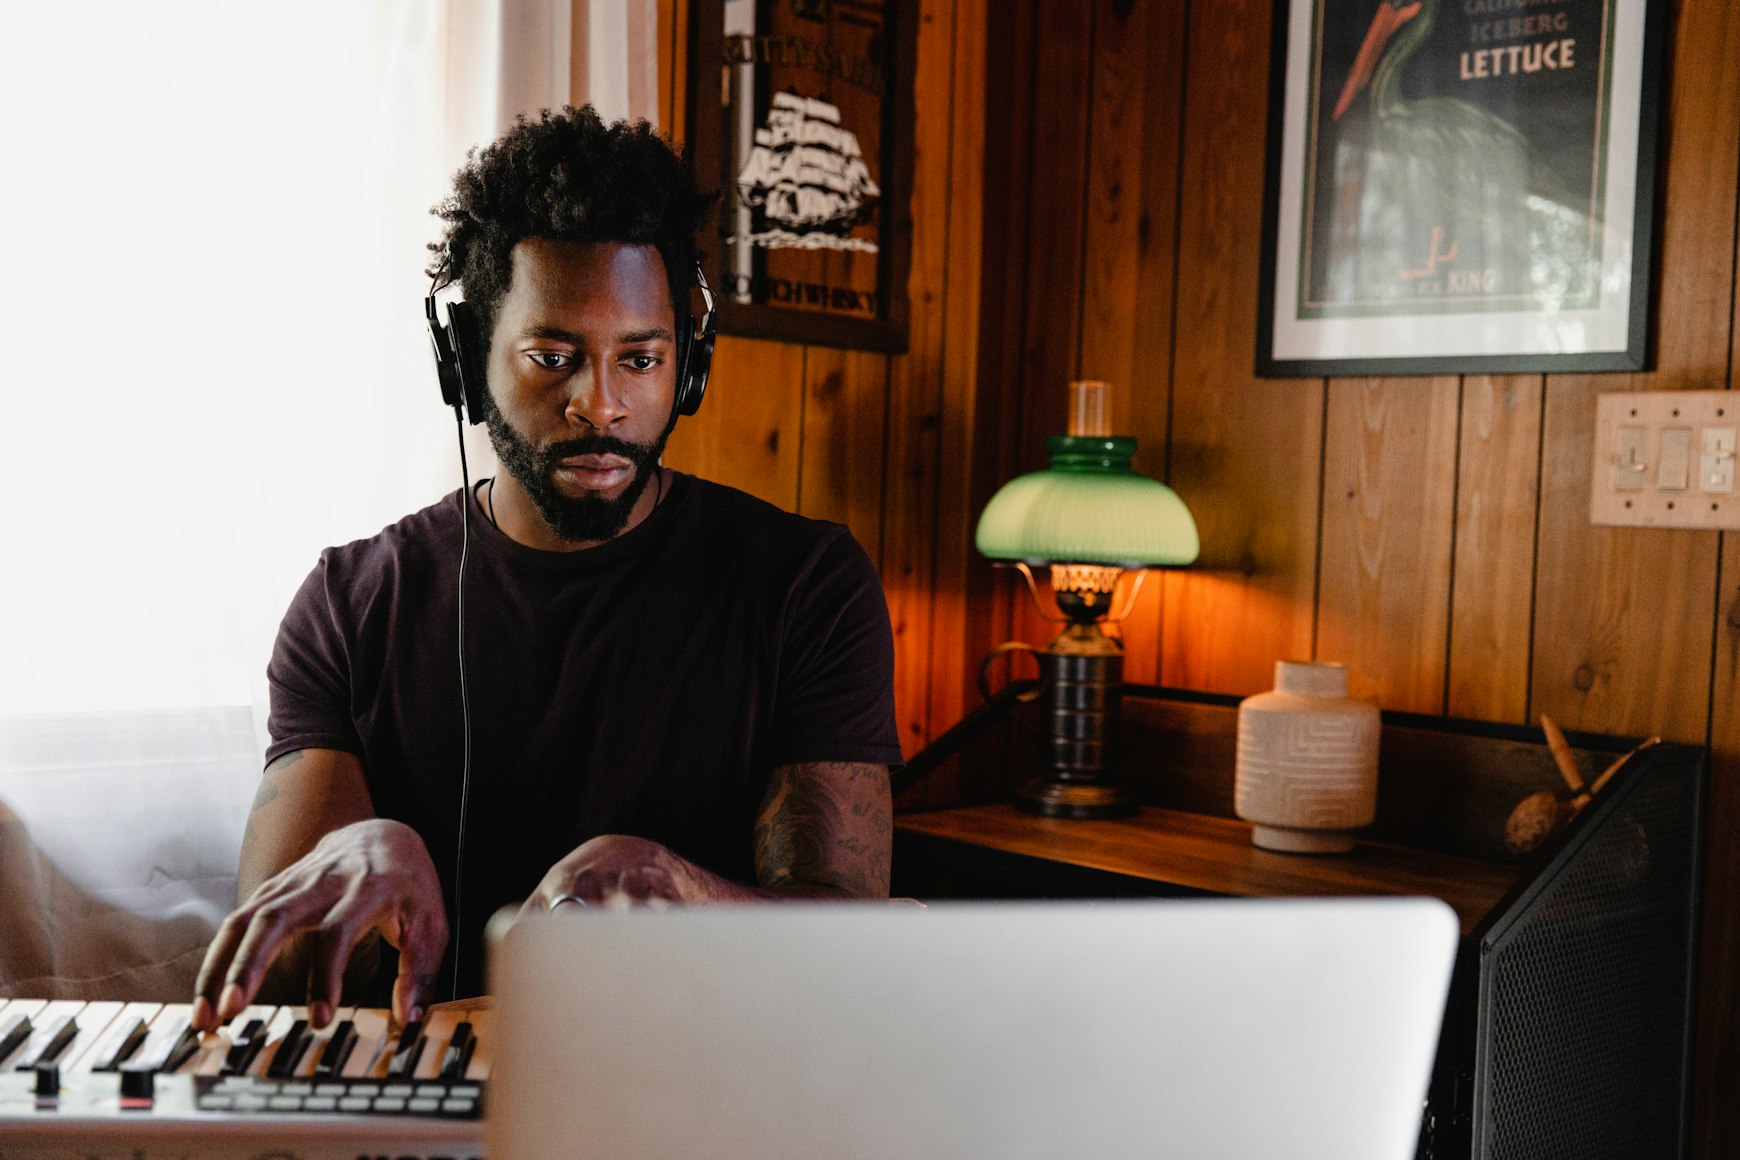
point(747, 431)
point(1622, 615)
point(1111, 233)
point(961, 577)
point(844, 436)
point(1009, 45)
point(1716, 1050)
point(1498, 501)
point(1716, 1071)
point(1245, 451)
point(1389, 505)
point(1111, 259)
point(1128, 252)
point(1156, 273)
point(673, 33)
point(1062, 90)
point(914, 385)
point(1215, 855)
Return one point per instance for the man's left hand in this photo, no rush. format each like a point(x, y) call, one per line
point(617, 870)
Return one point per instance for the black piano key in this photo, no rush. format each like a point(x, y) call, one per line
point(60, 1033)
point(458, 1054)
point(338, 1049)
point(123, 1045)
point(244, 1048)
point(156, 1053)
point(13, 1033)
point(405, 1055)
point(186, 1043)
point(289, 1051)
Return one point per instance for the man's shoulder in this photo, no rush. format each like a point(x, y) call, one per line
point(427, 536)
point(730, 516)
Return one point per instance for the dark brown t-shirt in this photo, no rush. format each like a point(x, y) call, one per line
point(647, 686)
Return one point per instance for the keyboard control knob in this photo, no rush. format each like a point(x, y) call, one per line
point(138, 1083)
point(47, 1081)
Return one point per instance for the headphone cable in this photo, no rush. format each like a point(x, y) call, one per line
point(464, 704)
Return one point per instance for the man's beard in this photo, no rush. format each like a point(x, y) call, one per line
point(588, 518)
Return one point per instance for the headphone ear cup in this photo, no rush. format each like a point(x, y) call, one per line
point(467, 337)
point(696, 362)
point(446, 360)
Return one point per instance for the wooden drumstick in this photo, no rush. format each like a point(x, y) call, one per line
point(1562, 755)
point(1607, 774)
point(1538, 816)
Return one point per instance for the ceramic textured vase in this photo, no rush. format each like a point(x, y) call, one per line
point(1307, 761)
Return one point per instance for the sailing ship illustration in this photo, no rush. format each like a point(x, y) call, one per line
point(806, 180)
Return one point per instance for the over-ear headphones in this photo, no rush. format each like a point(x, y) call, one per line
point(458, 342)
point(695, 351)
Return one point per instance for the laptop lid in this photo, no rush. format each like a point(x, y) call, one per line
point(1187, 1028)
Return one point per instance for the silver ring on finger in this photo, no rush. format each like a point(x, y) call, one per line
point(561, 898)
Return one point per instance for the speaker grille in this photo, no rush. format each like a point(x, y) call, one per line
point(1583, 998)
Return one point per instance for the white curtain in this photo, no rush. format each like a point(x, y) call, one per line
point(212, 365)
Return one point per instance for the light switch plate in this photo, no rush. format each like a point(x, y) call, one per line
point(1665, 459)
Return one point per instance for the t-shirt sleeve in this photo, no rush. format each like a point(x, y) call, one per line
point(836, 690)
point(309, 675)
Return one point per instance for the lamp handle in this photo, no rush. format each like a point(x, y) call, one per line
point(995, 708)
point(1130, 600)
point(1003, 650)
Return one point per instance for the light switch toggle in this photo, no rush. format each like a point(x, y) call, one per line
point(1676, 459)
point(1628, 466)
point(1716, 467)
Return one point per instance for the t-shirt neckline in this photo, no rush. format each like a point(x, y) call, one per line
point(627, 543)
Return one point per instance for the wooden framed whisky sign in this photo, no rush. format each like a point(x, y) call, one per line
point(801, 116)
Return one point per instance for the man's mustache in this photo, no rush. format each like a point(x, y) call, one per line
point(637, 453)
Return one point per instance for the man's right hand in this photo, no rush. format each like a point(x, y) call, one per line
point(369, 876)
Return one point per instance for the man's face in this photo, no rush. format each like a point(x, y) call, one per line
point(582, 375)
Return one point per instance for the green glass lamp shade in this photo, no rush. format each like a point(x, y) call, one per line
point(1088, 508)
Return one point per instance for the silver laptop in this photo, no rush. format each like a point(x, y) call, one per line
point(1248, 1029)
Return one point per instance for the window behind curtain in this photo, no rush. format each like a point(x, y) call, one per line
point(212, 364)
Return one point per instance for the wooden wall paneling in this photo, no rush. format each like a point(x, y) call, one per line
point(1245, 452)
point(747, 433)
point(844, 435)
point(1716, 1068)
point(914, 385)
point(673, 17)
point(1125, 325)
point(1716, 1059)
point(962, 578)
point(1622, 623)
point(1007, 41)
point(1389, 509)
point(1498, 503)
point(1061, 128)
point(1622, 615)
point(1156, 273)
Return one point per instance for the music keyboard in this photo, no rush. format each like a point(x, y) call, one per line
point(133, 1081)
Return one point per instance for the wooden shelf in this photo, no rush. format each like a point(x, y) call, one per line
point(1177, 852)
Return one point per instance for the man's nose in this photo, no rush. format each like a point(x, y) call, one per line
point(595, 401)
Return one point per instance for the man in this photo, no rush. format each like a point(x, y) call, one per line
point(675, 693)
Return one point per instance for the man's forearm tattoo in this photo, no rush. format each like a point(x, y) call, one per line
point(268, 788)
point(827, 824)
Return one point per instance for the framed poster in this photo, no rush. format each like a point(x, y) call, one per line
point(801, 115)
point(1460, 186)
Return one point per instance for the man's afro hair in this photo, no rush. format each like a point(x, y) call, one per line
point(567, 176)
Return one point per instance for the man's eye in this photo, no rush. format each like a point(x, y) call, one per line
point(550, 360)
point(643, 362)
